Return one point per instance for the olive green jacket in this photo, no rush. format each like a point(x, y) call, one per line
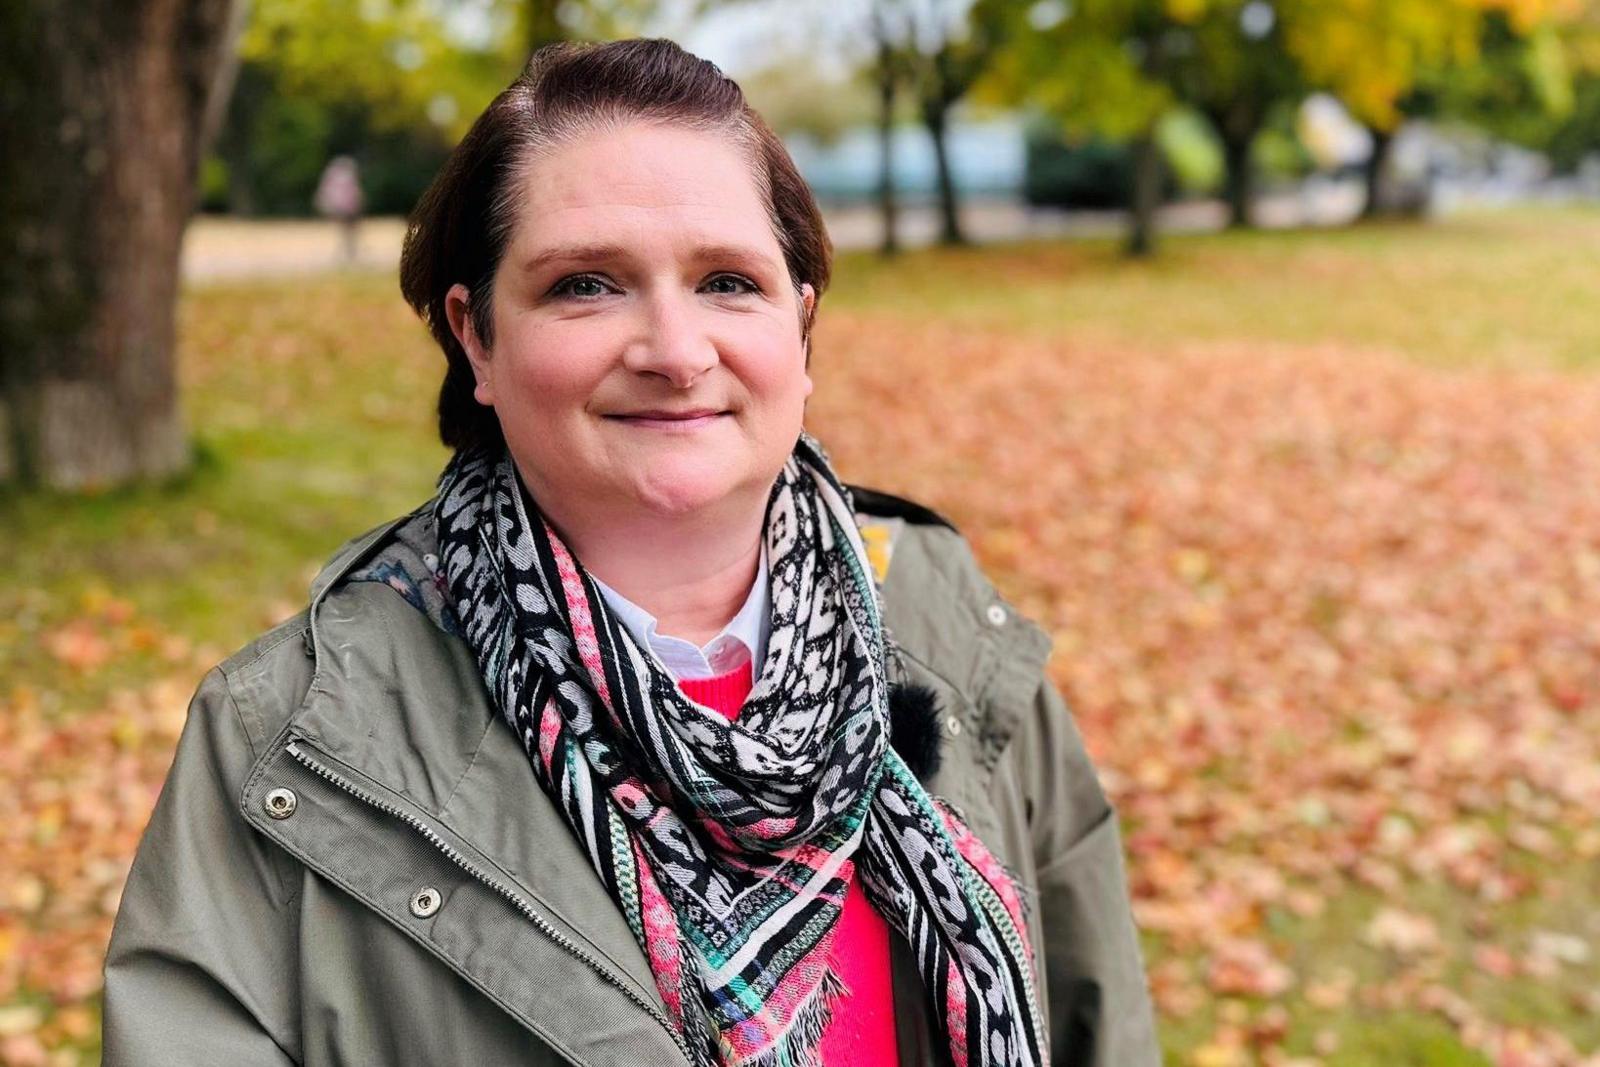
point(351, 862)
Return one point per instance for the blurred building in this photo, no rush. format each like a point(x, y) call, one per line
point(987, 158)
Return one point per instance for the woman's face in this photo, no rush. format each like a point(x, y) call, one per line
point(647, 347)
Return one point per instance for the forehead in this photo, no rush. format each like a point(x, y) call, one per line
point(642, 183)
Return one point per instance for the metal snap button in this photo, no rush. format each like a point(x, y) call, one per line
point(280, 803)
point(953, 725)
point(425, 901)
point(997, 615)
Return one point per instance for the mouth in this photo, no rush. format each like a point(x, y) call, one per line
point(670, 420)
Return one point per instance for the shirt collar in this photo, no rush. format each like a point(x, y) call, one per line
point(744, 636)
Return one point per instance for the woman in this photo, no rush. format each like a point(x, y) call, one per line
point(630, 771)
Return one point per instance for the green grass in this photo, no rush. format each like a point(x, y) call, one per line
point(309, 404)
point(1375, 1035)
point(1505, 289)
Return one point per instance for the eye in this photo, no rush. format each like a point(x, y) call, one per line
point(580, 287)
point(730, 285)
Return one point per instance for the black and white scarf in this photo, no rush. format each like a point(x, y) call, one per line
point(727, 845)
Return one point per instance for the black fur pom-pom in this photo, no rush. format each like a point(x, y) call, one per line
point(914, 728)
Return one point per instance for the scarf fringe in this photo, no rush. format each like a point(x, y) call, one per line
point(801, 1044)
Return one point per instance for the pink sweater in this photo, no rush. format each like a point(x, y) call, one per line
point(861, 1030)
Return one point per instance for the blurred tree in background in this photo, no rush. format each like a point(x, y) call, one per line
point(889, 72)
point(1535, 81)
point(1233, 68)
point(1125, 69)
point(1117, 68)
point(392, 84)
point(389, 85)
point(947, 46)
point(1105, 67)
point(105, 107)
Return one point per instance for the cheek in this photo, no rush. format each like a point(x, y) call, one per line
point(553, 370)
point(777, 371)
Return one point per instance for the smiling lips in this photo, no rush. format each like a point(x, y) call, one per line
point(671, 420)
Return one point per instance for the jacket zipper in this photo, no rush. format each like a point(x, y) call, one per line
point(466, 865)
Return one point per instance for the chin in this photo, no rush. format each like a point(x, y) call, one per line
point(679, 491)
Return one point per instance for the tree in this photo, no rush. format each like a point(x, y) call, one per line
point(544, 25)
point(1577, 135)
point(387, 84)
point(1235, 73)
point(949, 47)
point(1098, 66)
point(543, 22)
point(1371, 55)
point(1400, 59)
point(1119, 68)
point(888, 72)
point(1530, 82)
point(104, 107)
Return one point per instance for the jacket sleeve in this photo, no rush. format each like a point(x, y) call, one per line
point(1099, 1004)
point(202, 962)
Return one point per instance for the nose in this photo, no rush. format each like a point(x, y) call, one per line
point(671, 342)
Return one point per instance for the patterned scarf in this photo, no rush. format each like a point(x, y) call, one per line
point(729, 846)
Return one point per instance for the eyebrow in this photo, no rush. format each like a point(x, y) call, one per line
point(572, 254)
point(596, 253)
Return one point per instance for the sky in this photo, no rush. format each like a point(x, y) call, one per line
point(744, 37)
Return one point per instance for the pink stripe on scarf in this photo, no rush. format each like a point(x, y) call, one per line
point(956, 1009)
point(983, 861)
point(660, 937)
point(549, 731)
point(582, 621)
point(762, 1030)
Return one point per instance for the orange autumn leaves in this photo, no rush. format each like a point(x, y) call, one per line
point(1330, 623)
point(81, 787)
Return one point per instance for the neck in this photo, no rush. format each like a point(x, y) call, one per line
point(692, 572)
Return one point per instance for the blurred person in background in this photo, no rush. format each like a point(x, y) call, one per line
point(647, 740)
point(338, 197)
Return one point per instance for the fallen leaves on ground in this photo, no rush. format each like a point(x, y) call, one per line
point(1329, 622)
point(84, 785)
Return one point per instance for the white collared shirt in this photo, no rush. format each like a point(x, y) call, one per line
point(744, 637)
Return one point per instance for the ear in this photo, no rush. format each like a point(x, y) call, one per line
point(808, 305)
point(458, 310)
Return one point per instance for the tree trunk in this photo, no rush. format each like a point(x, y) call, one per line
point(103, 110)
point(935, 116)
point(1146, 194)
point(1376, 174)
point(1240, 178)
point(888, 205)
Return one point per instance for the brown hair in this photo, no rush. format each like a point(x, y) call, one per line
point(459, 229)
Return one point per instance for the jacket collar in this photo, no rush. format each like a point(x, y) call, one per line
point(401, 702)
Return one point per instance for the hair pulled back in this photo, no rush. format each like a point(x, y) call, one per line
point(459, 229)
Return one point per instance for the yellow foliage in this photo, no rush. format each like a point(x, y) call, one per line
point(1370, 53)
point(1525, 15)
point(1185, 10)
